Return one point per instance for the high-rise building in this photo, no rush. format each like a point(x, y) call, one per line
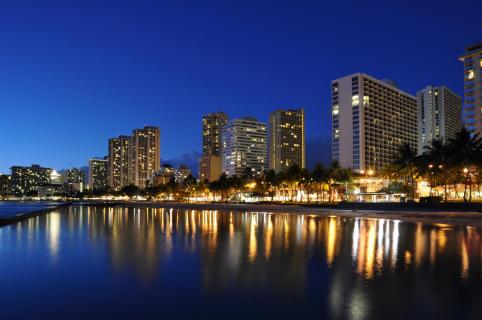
point(210, 162)
point(210, 168)
point(472, 59)
point(371, 118)
point(287, 139)
point(5, 185)
point(245, 145)
point(145, 155)
point(98, 174)
point(73, 180)
point(439, 115)
point(119, 155)
point(27, 180)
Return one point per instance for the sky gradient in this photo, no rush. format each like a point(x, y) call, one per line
point(75, 73)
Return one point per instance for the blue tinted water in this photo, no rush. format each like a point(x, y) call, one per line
point(111, 263)
point(10, 209)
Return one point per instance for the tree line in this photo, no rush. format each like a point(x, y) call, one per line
point(444, 163)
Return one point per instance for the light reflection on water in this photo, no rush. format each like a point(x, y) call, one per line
point(332, 266)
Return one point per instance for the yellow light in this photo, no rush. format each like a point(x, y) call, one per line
point(370, 172)
point(466, 170)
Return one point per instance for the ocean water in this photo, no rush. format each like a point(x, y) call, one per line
point(86, 262)
point(9, 209)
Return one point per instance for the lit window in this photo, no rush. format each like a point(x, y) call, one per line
point(470, 75)
point(480, 62)
point(355, 100)
point(336, 109)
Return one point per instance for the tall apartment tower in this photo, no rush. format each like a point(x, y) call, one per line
point(145, 155)
point(439, 115)
point(210, 162)
point(245, 145)
point(287, 139)
point(98, 174)
point(119, 155)
point(472, 59)
point(371, 118)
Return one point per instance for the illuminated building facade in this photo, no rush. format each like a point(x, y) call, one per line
point(182, 173)
point(370, 120)
point(119, 155)
point(5, 185)
point(98, 174)
point(145, 155)
point(210, 168)
point(164, 175)
point(472, 59)
point(287, 139)
point(26, 180)
point(439, 115)
point(245, 145)
point(73, 180)
point(210, 163)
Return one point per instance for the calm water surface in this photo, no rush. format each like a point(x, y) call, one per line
point(9, 209)
point(86, 262)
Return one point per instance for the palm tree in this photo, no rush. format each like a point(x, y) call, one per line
point(272, 182)
point(466, 151)
point(293, 176)
point(437, 156)
point(406, 163)
point(320, 176)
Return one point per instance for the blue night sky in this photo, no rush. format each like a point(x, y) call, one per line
point(74, 73)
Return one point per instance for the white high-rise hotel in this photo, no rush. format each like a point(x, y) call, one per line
point(244, 145)
point(439, 115)
point(370, 120)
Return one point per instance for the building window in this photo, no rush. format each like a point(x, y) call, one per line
point(355, 100)
point(470, 75)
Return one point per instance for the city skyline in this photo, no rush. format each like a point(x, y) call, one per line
point(52, 96)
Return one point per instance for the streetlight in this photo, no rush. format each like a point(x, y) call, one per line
point(430, 166)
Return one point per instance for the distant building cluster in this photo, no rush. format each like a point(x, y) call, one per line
point(248, 146)
point(371, 118)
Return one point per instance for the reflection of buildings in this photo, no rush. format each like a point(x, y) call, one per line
point(346, 262)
